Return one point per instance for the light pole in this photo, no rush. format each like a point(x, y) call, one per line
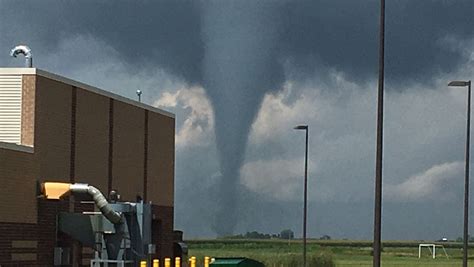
point(466, 177)
point(305, 208)
point(377, 245)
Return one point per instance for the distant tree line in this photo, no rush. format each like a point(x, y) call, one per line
point(286, 234)
point(469, 238)
point(253, 235)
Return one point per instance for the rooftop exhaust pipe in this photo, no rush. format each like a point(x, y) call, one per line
point(23, 50)
point(54, 190)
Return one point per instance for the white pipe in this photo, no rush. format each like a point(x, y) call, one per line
point(23, 50)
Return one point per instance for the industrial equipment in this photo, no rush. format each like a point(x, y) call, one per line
point(120, 233)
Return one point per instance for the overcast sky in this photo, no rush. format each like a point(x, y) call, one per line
point(255, 69)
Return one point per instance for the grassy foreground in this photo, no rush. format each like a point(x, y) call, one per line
point(279, 253)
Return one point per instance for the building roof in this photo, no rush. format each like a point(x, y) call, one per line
point(16, 147)
point(52, 76)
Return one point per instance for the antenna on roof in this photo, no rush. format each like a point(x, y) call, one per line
point(23, 50)
point(139, 94)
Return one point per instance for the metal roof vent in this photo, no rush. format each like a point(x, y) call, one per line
point(23, 50)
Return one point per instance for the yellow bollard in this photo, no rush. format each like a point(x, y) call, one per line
point(167, 262)
point(156, 263)
point(192, 262)
point(142, 263)
point(206, 261)
point(177, 262)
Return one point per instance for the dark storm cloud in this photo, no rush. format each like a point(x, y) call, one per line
point(415, 49)
point(145, 33)
point(344, 35)
point(311, 34)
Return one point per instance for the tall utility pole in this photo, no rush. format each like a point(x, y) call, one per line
point(466, 181)
point(305, 208)
point(379, 154)
point(466, 169)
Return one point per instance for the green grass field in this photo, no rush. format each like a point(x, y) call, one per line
point(343, 253)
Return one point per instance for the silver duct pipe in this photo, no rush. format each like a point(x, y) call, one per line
point(23, 50)
point(99, 199)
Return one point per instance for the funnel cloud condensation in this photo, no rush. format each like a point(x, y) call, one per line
point(240, 65)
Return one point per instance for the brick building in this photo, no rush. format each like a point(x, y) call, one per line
point(56, 129)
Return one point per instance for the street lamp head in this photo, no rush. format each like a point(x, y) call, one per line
point(459, 83)
point(139, 92)
point(301, 127)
